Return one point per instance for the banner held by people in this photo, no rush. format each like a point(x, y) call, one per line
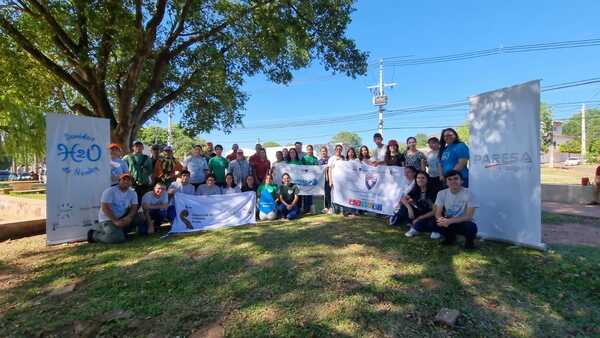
point(310, 179)
point(505, 163)
point(196, 213)
point(78, 172)
point(364, 187)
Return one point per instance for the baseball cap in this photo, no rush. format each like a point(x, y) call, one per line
point(124, 175)
point(114, 146)
point(155, 147)
point(168, 148)
point(136, 142)
point(377, 135)
point(393, 143)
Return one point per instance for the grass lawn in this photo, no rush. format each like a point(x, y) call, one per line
point(568, 175)
point(318, 276)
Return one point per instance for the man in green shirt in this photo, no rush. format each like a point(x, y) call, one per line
point(140, 169)
point(218, 165)
point(288, 196)
point(308, 159)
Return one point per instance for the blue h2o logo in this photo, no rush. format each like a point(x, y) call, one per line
point(78, 154)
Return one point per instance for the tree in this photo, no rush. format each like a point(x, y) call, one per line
point(271, 144)
point(421, 140)
point(126, 60)
point(463, 132)
point(182, 143)
point(592, 124)
point(571, 147)
point(547, 127)
point(347, 138)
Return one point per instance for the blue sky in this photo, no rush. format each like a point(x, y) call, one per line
point(424, 29)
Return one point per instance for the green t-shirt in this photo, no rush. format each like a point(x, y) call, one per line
point(310, 160)
point(288, 192)
point(294, 162)
point(140, 168)
point(271, 188)
point(217, 166)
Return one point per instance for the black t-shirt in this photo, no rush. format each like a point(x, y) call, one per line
point(395, 160)
point(422, 201)
point(288, 192)
point(247, 188)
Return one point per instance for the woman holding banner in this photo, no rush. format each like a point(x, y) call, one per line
point(393, 157)
point(364, 156)
point(413, 157)
point(267, 199)
point(419, 204)
point(401, 216)
point(210, 188)
point(454, 155)
point(249, 184)
point(351, 157)
point(294, 159)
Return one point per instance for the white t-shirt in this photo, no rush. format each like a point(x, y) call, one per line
point(408, 188)
point(378, 153)
point(179, 187)
point(196, 166)
point(119, 202)
point(455, 205)
point(150, 198)
point(233, 190)
point(332, 160)
point(204, 190)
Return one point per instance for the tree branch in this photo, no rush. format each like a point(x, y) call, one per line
point(62, 35)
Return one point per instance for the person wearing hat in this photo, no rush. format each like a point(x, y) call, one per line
point(140, 168)
point(118, 214)
point(239, 168)
point(393, 156)
point(378, 155)
point(233, 155)
point(117, 165)
point(167, 167)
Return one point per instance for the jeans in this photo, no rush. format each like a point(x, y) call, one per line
point(140, 190)
point(467, 229)
point(307, 202)
point(157, 216)
point(400, 217)
point(327, 195)
point(289, 214)
point(109, 233)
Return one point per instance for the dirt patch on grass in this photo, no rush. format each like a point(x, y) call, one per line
point(570, 233)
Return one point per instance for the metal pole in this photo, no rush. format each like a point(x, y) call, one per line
point(170, 126)
point(381, 109)
point(583, 136)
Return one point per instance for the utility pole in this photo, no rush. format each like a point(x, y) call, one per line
point(170, 126)
point(379, 97)
point(583, 136)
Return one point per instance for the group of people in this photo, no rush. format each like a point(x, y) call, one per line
point(436, 200)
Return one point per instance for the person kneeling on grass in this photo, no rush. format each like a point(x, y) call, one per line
point(288, 198)
point(401, 215)
point(453, 213)
point(181, 185)
point(154, 205)
point(419, 202)
point(118, 214)
point(267, 199)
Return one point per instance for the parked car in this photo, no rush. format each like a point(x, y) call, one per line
point(22, 177)
point(572, 161)
point(4, 175)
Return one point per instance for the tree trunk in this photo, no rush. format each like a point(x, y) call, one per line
point(122, 136)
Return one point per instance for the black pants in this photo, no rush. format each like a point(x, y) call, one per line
point(467, 229)
point(140, 190)
point(327, 195)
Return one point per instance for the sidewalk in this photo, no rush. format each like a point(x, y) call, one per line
point(572, 209)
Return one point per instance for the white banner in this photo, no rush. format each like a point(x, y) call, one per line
point(504, 165)
point(309, 178)
point(196, 213)
point(78, 172)
point(364, 187)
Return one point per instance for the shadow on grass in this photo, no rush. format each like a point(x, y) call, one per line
point(319, 276)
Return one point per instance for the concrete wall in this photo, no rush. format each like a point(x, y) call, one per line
point(21, 208)
point(563, 193)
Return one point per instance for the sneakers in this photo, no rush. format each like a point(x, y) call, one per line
point(410, 233)
point(435, 235)
point(90, 236)
point(330, 211)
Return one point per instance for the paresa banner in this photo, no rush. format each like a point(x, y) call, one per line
point(195, 213)
point(364, 187)
point(505, 163)
point(78, 166)
point(310, 179)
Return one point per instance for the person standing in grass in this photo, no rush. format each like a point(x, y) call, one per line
point(454, 155)
point(154, 205)
point(412, 156)
point(596, 186)
point(331, 163)
point(364, 156)
point(308, 159)
point(288, 198)
point(454, 209)
point(210, 187)
point(298, 147)
point(233, 155)
point(197, 166)
point(217, 165)
point(167, 167)
point(239, 168)
point(353, 159)
point(393, 156)
point(117, 165)
point(434, 168)
point(294, 159)
point(230, 187)
point(140, 168)
point(286, 154)
point(324, 152)
point(419, 205)
point(378, 156)
point(261, 166)
point(184, 186)
point(267, 194)
point(118, 214)
point(209, 151)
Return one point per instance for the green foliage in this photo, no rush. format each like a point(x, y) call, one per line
point(594, 152)
point(182, 143)
point(421, 140)
point(463, 132)
point(592, 124)
point(348, 138)
point(126, 60)
point(271, 144)
point(546, 127)
point(571, 147)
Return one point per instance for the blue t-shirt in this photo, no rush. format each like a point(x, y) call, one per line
point(450, 157)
